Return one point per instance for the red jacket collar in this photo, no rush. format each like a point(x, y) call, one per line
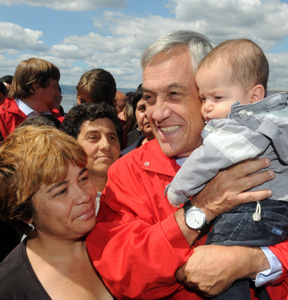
point(9, 105)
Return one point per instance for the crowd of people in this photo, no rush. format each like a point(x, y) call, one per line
point(133, 196)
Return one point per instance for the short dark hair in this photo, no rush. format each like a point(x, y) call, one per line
point(79, 114)
point(3, 89)
point(7, 79)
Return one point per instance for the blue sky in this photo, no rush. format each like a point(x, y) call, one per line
point(78, 35)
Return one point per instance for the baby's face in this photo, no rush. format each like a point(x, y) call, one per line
point(217, 93)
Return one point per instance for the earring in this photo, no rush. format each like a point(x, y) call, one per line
point(32, 226)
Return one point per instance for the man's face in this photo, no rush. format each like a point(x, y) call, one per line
point(48, 95)
point(173, 106)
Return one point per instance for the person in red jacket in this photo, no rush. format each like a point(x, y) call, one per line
point(143, 247)
point(34, 88)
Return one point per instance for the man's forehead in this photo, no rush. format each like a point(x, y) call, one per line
point(164, 79)
point(165, 87)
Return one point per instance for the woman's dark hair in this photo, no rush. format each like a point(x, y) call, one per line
point(137, 96)
point(79, 114)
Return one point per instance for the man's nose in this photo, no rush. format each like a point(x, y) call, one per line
point(160, 110)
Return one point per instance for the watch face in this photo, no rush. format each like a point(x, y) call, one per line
point(195, 219)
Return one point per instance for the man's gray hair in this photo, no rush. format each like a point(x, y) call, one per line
point(198, 45)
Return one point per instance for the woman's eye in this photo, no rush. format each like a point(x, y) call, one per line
point(83, 179)
point(92, 138)
point(113, 139)
point(141, 108)
point(62, 192)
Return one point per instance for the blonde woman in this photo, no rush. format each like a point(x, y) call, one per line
point(46, 193)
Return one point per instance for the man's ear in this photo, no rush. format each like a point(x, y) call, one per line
point(257, 93)
point(34, 86)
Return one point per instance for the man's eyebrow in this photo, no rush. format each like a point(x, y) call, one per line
point(175, 85)
point(167, 88)
point(145, 90)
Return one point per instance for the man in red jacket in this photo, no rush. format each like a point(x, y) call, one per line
point(34, 88)
point(141, 242)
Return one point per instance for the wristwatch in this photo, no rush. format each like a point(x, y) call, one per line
point(195, 218)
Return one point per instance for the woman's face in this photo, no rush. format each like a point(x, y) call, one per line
point(83, 97)
point(66, 209)
point(141, 118)
point(101, 144)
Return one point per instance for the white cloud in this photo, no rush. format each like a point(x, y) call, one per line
point(18, 38)
point(73, 5)
point(278, 71)
point(265, 22)
point(120, 53)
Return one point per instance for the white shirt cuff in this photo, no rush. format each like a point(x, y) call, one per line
point(271, 274)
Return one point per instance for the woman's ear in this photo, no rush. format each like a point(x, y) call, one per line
point(257, 93)
point(29, 222)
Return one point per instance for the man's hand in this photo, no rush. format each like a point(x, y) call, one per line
point(213, 268)
point(228, 189)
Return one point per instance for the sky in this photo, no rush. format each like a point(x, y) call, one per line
point(79, 35)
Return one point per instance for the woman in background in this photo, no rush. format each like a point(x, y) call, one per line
point(143, 133)
point(97, 128)
point(95, 86)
